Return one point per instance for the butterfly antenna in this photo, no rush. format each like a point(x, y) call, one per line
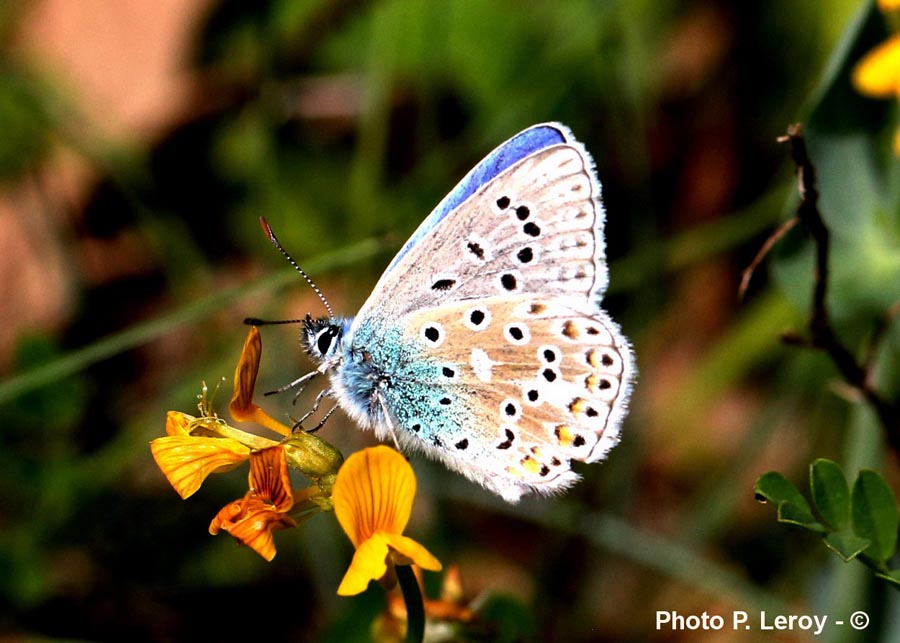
point(256, 321)
point(268, 230)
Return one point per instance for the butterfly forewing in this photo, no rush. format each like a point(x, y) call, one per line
point(532, 230)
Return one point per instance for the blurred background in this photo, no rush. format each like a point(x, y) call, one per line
point(139, 144)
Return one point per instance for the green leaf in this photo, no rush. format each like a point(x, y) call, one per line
point(846, 544)
point(792, 506)
point(775, 488)
point(892, 576)
point(830, 493)
point(875, 516)
point(799, 515)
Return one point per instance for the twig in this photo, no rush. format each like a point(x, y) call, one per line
point(878, 334)
point(767, 246)
point(822, 335)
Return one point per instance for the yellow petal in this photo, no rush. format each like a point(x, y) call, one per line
point(269, 478)
point(251, 522)
point(255, 531)
point(373, 492)
point(878, 74)
point(228, 515)
point(407, 551)
point(241, 406)
point(178, 423)
point(369, 563)
point(245, 375)
point(186, 460)
point(888, 5)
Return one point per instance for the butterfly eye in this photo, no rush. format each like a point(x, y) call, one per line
point(323, 340)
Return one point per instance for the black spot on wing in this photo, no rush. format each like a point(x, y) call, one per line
point(510, 436)
point(443, 284)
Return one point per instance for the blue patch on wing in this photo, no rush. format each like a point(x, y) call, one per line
point(520, 146)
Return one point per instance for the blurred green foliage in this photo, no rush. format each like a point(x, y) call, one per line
point(344, 123)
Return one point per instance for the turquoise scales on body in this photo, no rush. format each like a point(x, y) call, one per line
point(384, 370)
point(483, 344)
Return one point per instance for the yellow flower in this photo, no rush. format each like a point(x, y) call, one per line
point(888, 5)
point(186, 459)
point(373, 496)
point(196, 447)
point(253, 518)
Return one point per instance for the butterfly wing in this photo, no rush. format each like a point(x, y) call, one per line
point(508, 270)
point(536, 383)
point(534, 227)
point(523, 144)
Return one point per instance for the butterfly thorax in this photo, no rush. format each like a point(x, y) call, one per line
point(381, 378)
point(356, 376)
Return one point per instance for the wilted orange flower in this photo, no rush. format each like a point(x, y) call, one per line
point(449, 609)
point(186, 459)
point(253, 518)
point(373, 497)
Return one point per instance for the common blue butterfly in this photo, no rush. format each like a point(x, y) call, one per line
point(483, 344)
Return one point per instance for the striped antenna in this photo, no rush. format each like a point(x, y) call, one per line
point(268, 230)
point(256, 321)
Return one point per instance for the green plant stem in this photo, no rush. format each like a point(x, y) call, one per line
point(415, 608)
point(81, 358)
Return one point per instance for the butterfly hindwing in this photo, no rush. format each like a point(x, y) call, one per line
point(538, 382)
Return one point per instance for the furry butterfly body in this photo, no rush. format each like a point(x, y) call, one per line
point(483, 344)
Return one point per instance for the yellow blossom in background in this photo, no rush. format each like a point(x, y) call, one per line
point(877, 75)
point(253, 518)
point(889, 5)
point(373, 497)
point(187, 459)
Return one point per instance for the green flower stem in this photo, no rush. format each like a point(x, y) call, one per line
point(248, 439)
point(415, 608)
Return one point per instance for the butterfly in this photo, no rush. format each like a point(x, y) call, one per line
point(483, 344)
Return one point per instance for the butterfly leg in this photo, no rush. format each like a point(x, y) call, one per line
point(323, 420)
point(389, 425)
point(300, 381)
point(315, 407)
